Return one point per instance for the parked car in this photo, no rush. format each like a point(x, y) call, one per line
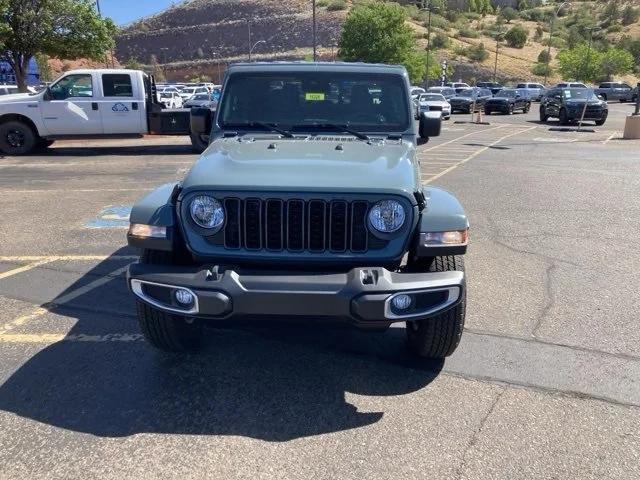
point(269, 225)
point(446, 92)
point(201, 100)
point(433, 102)
point(92, 103)
point(567, 105)
point(170, 99)
point(533, 91)
point(506, 101)
point(187, 92)
point(493, 86)
point(457, 86)
point(470, 99)
point(620, 91)
point(416, 91)
point(570, 85)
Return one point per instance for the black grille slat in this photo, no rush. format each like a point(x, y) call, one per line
point(232, 226)
point(359, 233)
point(338, 226)
point(317, 225)
point(295, 225)
point(253, 224)
point(274, 232)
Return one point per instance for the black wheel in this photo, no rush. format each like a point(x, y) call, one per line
point(16, 138)
point(601, 121)
point(510, 111)
point(165, 331)
point(487, 111)
point(543, 114)
point(564, 119)
point(526, 108)
point(438, 337)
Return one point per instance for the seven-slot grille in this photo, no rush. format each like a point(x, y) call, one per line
point(296, 225)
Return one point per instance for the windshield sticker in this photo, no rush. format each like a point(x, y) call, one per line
point(567, 93)
point(314, 97)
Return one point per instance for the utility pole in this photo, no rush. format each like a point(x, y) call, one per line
point(428, 9)
point(249, 26)
point(98, 7)
point(495, 66)
point(313, 8)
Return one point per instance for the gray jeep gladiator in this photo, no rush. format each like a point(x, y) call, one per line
point(306, 205)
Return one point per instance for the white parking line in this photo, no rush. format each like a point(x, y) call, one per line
point(604, 142)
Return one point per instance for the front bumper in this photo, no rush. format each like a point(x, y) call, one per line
point(362, 296)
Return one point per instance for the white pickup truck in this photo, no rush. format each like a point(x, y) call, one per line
point(94, 103)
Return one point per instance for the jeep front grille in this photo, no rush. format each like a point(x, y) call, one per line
point(296, 225)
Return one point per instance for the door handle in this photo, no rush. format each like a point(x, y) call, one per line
point(134, 105)
point(94, 105)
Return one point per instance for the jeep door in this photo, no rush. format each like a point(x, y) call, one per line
point(70, 106)
point(121, 106)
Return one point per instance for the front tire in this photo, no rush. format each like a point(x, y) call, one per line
point(16, 138)
point(526, 108)
point(510, 111)
point(165, 331)
point(439, 336)
point(564, 119)
point(543, 114)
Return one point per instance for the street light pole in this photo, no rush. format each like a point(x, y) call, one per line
point(250, 48)
point(254, 46)
point(553, 19)
point(495, 66)
point(585, 72)
point(428, 9)
point(313, 7)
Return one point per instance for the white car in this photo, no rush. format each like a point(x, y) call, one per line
point(433, 102)
point(170, 99)
point(188, 92)
point(416, 92)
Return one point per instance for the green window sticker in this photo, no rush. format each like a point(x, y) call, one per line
point(314, 97)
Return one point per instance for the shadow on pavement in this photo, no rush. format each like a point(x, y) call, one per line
point(273, 384)
point(94, 151)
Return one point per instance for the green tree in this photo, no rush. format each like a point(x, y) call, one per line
point(43, 67)
point(517, 36)
point(133, 64)
point(615, 61)
point(576, 64)
point(508, 14)
point(375, 31)
point(630, 15)
point(544, 56)
point(58, 28)
point(473, 5)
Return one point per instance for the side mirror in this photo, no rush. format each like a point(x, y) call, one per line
point(600, 97)
point(430, 125)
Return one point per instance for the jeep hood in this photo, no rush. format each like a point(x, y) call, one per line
point(324, 164)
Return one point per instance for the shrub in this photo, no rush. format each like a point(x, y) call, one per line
point(540, 69)
point(322, 3)
point(539, 33)
point(337, 5)
point(440, 40)
point(452, 15)
point(556, 42)
point(517, 37)
point(467, 32)
point(477, 53)
point(508, 14)
point(544, 56)
point(630, 15)
point(614, 28)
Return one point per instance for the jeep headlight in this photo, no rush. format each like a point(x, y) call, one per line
point(207, 212)
point(387, 216)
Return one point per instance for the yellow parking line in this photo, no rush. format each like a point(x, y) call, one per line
point(23, 319)
point(478, 152)
point(26, 268)
point(60, 337)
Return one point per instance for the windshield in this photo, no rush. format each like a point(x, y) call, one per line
point(201, 96)
point(188, 90)
point(467, 93)
point(431, 98)
point(364, 101)
point(506, 93)
point(579, 94)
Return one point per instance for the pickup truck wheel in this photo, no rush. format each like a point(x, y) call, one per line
point(526, 108)
point(197, 143)
point(165, 331)
point(16, 138)
point(438, 337)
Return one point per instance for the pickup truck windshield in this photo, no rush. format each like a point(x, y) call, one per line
point(306, 100)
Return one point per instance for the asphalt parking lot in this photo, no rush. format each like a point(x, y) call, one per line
point(545, 384)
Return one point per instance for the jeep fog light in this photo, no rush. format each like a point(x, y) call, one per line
point(455, 237)
point(152, 231)
point(184, 297)
point(401, 302)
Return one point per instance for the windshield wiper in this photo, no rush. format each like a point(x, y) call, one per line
point(339, 127)
point(268, 126)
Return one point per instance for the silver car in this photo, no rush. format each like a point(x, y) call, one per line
point(200, 100)
point(433, 102)
point(533, 91)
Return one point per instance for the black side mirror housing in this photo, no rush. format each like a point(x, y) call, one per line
point(430, 125)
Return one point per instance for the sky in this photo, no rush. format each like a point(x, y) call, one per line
point(125, 11)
